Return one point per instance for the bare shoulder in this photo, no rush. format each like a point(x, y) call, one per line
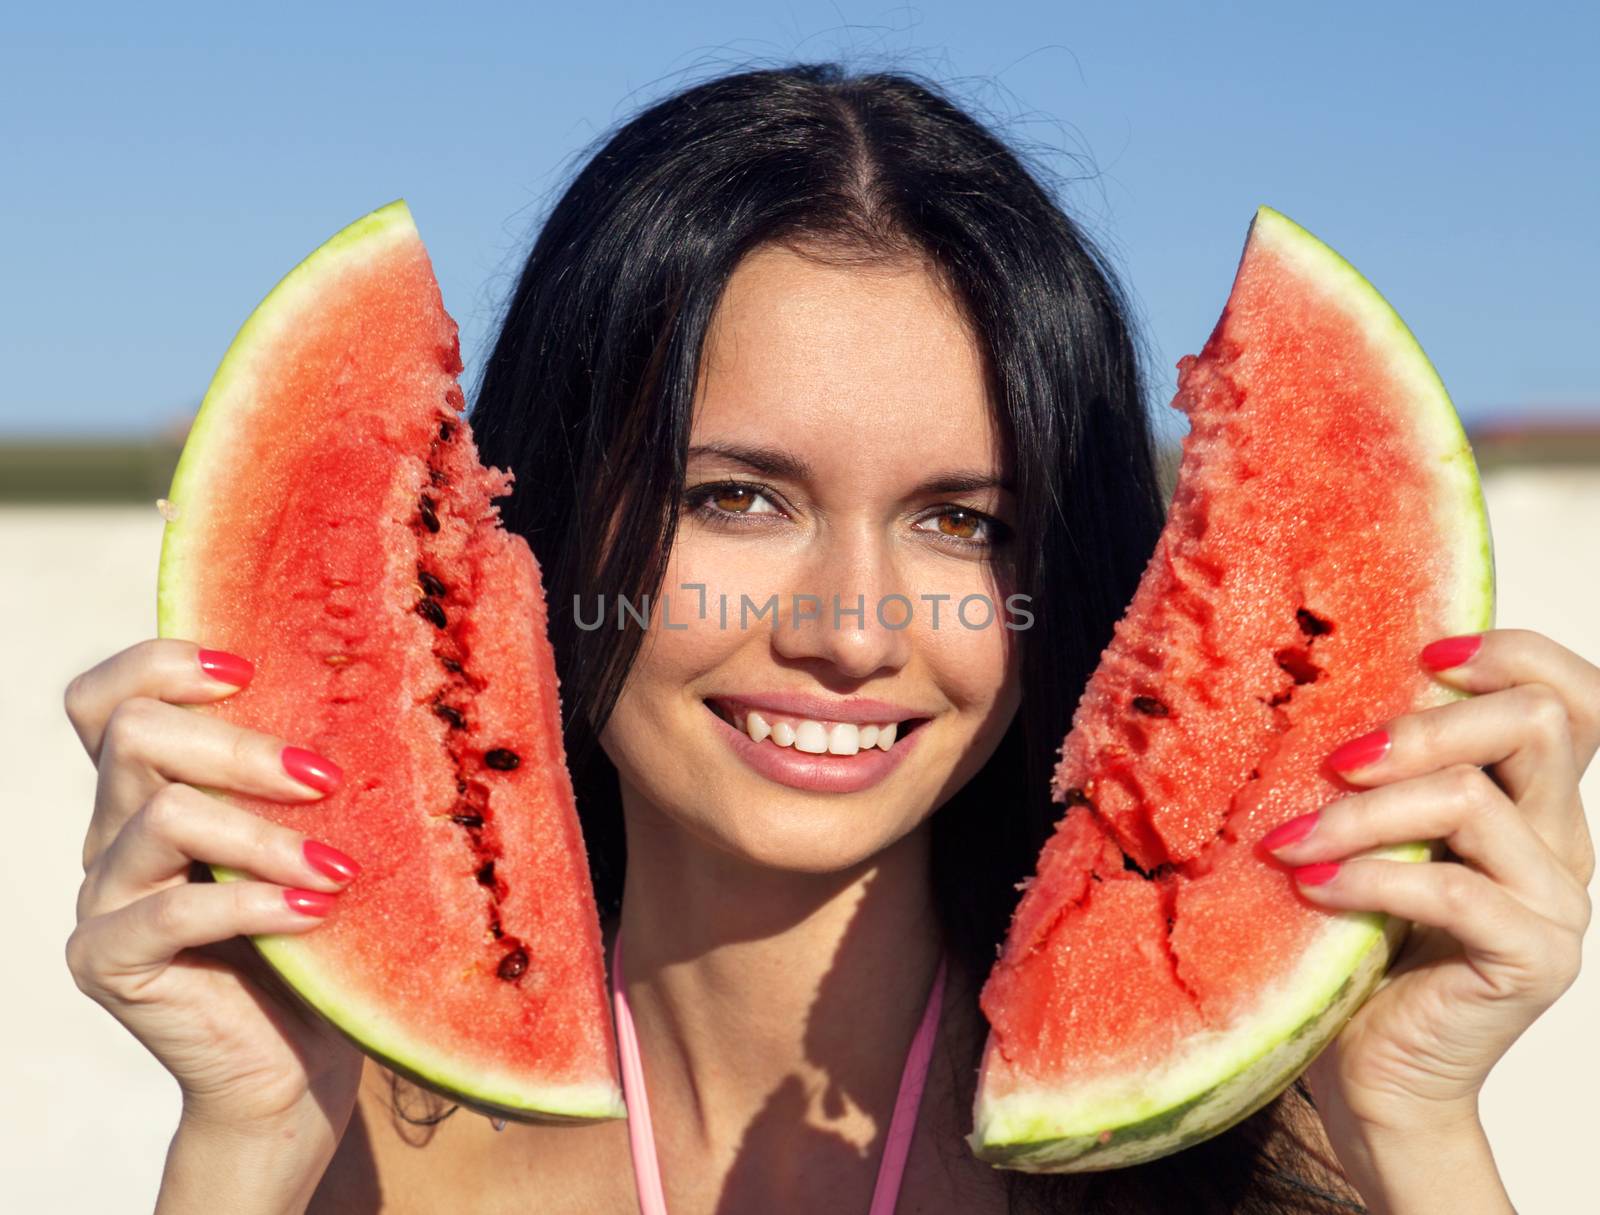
point(388, 1164)
point(407, 1153)
point(942, 1175)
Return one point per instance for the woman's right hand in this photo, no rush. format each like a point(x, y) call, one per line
point(165, 955)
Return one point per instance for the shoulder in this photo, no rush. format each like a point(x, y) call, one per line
point(389, 1165)
point(942, 1174)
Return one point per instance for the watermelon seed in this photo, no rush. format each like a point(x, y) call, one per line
point(467, 820)
point(513, 964)
point(451, 714)
point(337, 660)
point(1149, 706)
point(430, 611)
point(501, 760)
point(447, 430)
point(1076, 797)
point(431, 585)
point(1311, 624)
point(486, 874)
point(1297, 661)
point(450, 664)
point(425, 508)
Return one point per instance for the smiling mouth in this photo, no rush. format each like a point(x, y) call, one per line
point(814, 736)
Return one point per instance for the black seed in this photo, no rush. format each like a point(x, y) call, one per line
point(467, 820)
point(1076, 797)
point(486, 874)
point(494, 927)
point(1297, 662)
point(501, 760)
point(451, 665)
point(447, 431)
point(431, 585)
point(436, 476)
point(1149, 706)
point(1311, 624)
point(426, 510)
point(513, 964)
point(452, 715)
point(430, 611)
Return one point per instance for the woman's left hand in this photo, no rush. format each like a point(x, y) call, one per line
point(1498, 926)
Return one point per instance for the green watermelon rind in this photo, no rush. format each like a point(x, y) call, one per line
point(1137, 1116)
point(223, 409)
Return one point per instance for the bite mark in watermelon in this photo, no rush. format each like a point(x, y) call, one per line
point(1160, 981)
point(330, 520)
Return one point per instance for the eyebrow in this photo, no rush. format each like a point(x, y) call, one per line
point(774, 462)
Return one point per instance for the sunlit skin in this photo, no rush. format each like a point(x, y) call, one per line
point(780, 942)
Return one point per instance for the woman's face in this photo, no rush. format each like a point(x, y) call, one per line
point(843, 445)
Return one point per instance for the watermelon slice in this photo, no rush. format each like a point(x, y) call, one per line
point(1160, 980)
point(329, 519)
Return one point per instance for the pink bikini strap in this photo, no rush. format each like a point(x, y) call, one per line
point(641, 1135)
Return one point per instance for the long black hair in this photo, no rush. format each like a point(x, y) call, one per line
point(587, 397)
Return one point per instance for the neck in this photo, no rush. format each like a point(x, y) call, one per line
point(764, 999)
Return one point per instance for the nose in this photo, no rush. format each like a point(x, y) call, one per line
point(833, 612)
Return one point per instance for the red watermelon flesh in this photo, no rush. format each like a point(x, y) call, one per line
point(1160, 980)
point(332, 523)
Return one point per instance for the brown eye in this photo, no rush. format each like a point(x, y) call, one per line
point(963, 524)
point(735, 499)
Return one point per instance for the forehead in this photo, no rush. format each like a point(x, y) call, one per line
point(863, 366)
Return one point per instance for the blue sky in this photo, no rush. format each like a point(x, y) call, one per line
point(162, 165)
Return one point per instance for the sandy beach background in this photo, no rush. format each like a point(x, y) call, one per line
point(79, 1089)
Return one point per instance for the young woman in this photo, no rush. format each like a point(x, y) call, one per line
point(802, 333)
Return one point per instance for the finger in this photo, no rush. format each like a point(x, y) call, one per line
point(1517, 952)
point(180, 823)
point(120, 953)
point(1521, 731)
point(1504, 658)
point(178, 672)
point(149, 744)
point(1459, 805)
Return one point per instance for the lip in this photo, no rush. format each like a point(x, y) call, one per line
point(858, 710)
point(817, 773)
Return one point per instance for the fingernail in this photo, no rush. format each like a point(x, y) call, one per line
point(308, 902)
point(1316, 875)
point(1359, 752)
point(1291, 832)
point(226, 667)
point(330, 861)
point(309, 768)
point(1451, 652)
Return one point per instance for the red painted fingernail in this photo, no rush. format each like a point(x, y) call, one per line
point(309, 768)
point(1291, 832)
point(1451, 652)
point(1359, 752)
point(1316, 875)
point(308, 902)
point(226, 667)
point(330, 861)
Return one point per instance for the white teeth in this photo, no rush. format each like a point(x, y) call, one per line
point(811, 737)
point(814, 737)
